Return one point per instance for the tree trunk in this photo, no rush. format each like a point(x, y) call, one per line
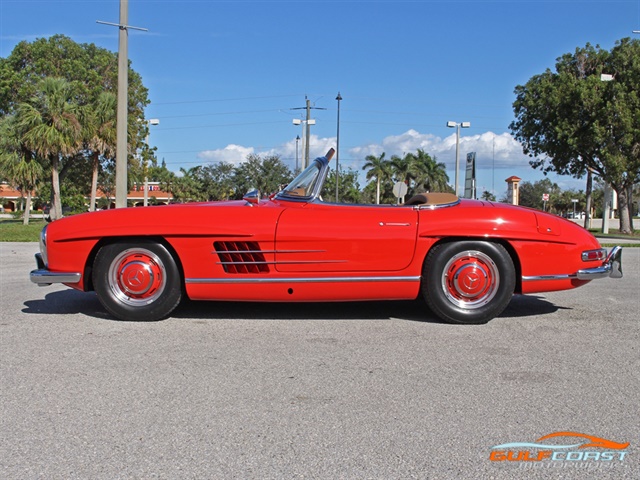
point(378, 191)
point(623, 210)
point(94, 182)
point(630, 206)
point(56, 208)
point(27, 209)
point(587, 208)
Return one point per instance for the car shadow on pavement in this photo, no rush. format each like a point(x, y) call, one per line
point(529, 306)
point(68, 302)
point(372, 310)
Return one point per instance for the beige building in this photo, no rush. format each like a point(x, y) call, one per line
point(12, 198)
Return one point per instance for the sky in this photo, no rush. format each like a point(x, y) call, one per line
point(227, 78)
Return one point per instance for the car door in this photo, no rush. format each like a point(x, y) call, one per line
point(320, 237)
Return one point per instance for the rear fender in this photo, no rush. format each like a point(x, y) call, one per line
point(508, 247)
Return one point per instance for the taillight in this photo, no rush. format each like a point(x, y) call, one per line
point(594, 255)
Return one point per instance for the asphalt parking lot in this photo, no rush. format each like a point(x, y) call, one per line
point(328, 391)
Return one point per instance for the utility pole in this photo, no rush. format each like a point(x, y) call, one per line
point(308, 122)
point(122, 151)
point(338, 98)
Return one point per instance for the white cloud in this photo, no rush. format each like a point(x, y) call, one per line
point(318, 147)
point(234, 154)
point(489, 147)
point(498, 156)
point(493, 151)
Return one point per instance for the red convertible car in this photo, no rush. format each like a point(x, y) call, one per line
point(465, 257)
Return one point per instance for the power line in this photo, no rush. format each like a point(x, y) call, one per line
point(182, 102)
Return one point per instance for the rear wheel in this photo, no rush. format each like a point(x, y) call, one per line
point(468, 282)
point(137, 281)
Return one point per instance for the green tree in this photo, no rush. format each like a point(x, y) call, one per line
point(430, 176)
point(17, 164)
point(531, 194)
point(164, 176)
point(403, 168)
point(99, 125)
point(486, 195)
point(91, 72)
point(571, 122)
point(377, 168)
point(216, 180)
point(266, 175)
point(51, 129)
point(349, 187)
point(187, 187)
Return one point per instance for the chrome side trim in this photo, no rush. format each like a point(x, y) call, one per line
point(611, 267)
point(435, 207)
point(267, 251)
point(535, 278)
point(301, 280)
point(291, 262)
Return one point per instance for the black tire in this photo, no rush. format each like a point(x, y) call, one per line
point(468, 282)
point(137, 280)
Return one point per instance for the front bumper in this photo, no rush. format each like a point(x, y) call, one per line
point(43, 277)
point(611, 267)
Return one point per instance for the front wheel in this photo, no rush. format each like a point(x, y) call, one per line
point(137, 281)
point(468, 282)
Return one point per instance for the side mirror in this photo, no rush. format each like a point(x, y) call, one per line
point(252, 197)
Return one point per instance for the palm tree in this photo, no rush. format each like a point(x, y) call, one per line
point(378, 168)
point(18, 165)
point(404, 169)
point(51, 128)
point(486, 195)
point(99, 124)
point(431, 176)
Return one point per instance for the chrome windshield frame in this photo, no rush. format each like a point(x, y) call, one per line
point(321, 166)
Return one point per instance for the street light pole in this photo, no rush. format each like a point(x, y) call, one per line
point(297, 140)
point(338, 98)
point(308, 133)
point(457, 127)
point(152, 121)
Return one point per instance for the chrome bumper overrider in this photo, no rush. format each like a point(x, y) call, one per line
point(611, 267)
point(43, 277)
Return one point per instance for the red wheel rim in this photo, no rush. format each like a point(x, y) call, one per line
point(137, 276)
point(470, 279)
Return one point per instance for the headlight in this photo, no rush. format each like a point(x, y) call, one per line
point(43, 245)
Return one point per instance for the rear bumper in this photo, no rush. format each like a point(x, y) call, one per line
point(611, 267)
point(43, 277)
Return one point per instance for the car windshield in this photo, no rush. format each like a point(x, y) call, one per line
point(304, 184)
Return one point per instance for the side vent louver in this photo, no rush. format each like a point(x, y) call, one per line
point(241, 257)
